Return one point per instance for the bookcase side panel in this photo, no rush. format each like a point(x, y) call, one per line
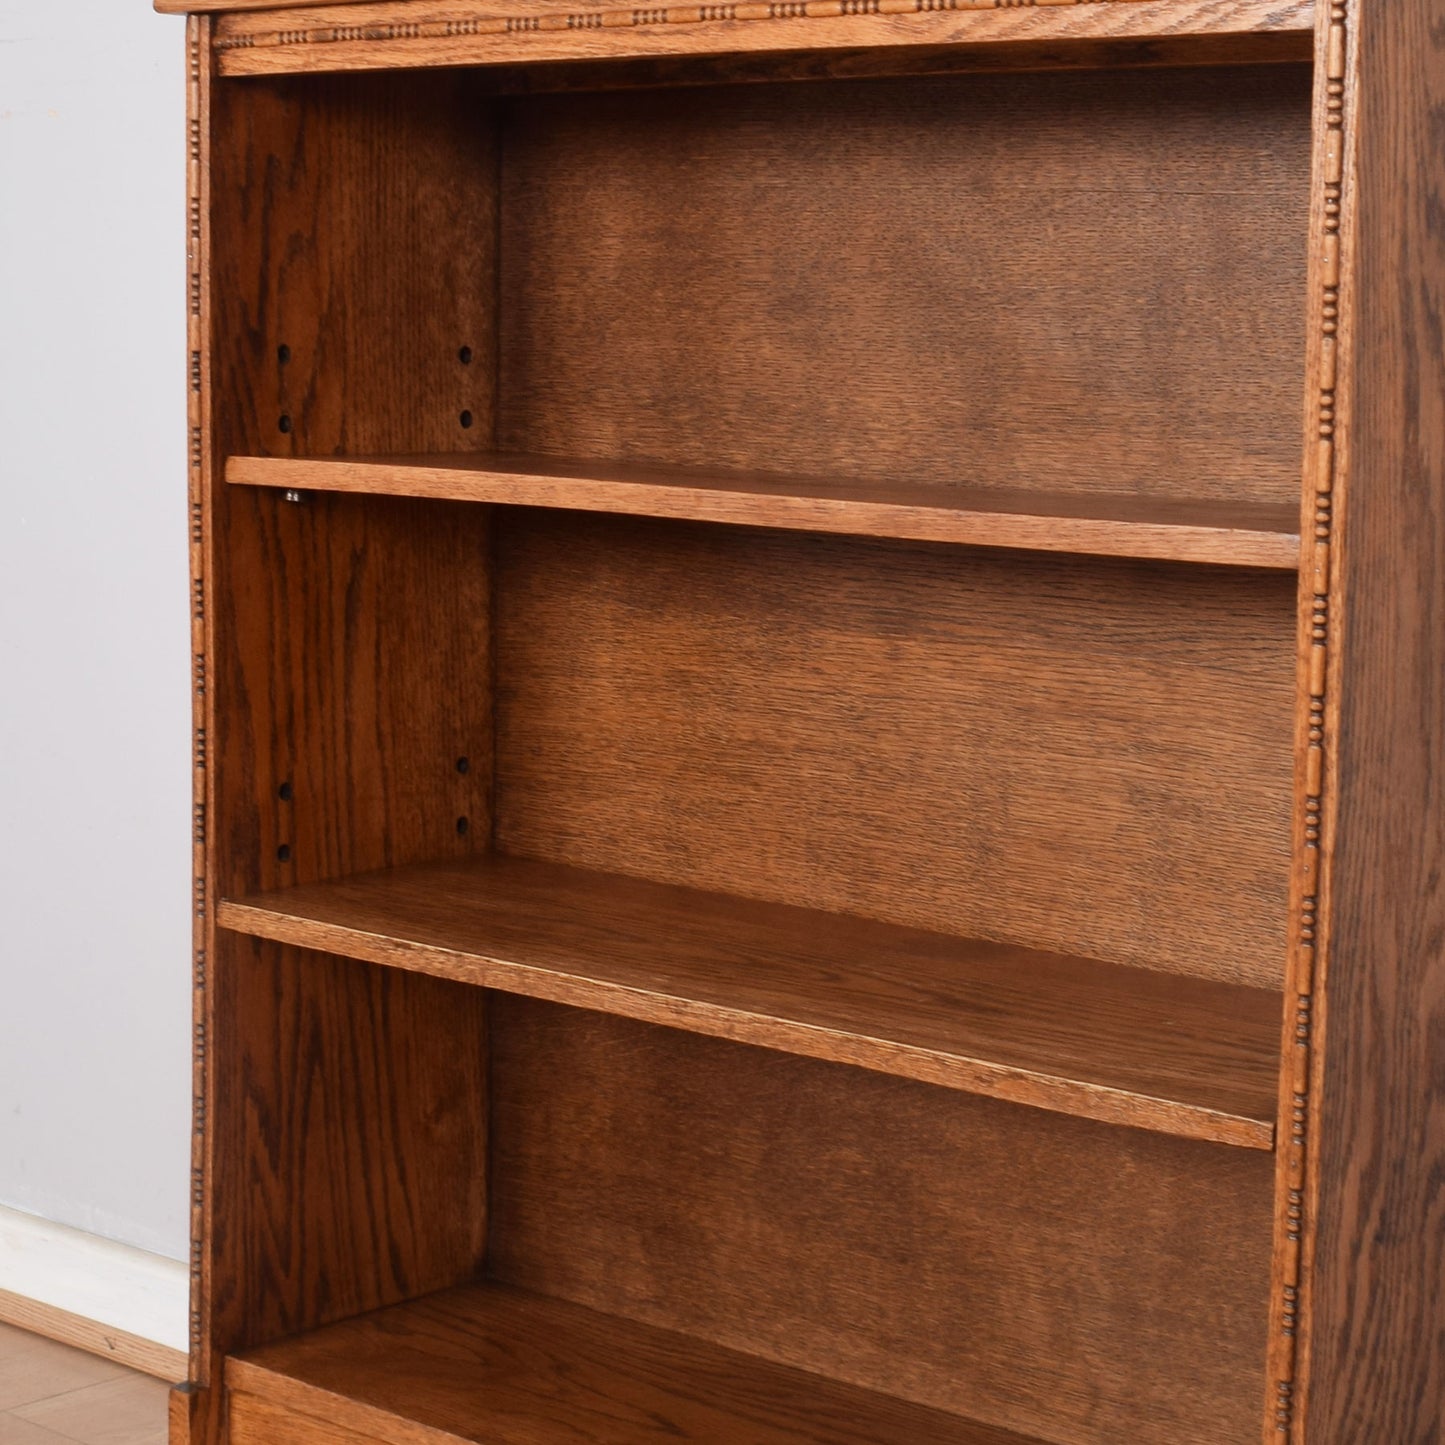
point(354, 276)
point(350, 1119)
point(345, 691)
point(1373, 1341)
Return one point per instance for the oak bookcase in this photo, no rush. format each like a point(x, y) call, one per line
point(796, 844)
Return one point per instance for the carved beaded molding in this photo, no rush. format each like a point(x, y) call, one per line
point(620, 18)
point(197, 34)
point(1323, 478)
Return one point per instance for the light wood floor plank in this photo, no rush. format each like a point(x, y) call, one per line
point(33, 1369)
point(15, 1431)
point(127, 1411)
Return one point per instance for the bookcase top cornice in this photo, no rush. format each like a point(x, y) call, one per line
point(279, 36)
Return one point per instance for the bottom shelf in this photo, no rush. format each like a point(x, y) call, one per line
point(489, 1363)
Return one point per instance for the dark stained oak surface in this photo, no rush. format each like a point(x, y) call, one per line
point(1162, 1051)
point(1079, 755)
point(1170, 527)
point(397, 33)
point(500, 1366)
point(879, 620)
point(1014, 280)
point(1376, 1325)
point(1069, 1280)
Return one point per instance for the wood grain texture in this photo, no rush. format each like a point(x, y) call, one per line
point(202, 462)
point(1081, 283)
point(350, 1120)
point(347, 253)
point(1264, 47)
point(821, 305)
point(497, 1365)
point(103, 1341)
point(390, 35)
point(1240, 534)
point(1373, 1339)
point(186, 1423)
point(958, 741)
point(1316, 728)
point(1064, 1279)
point(353, 235)
point(354, 659)
point(355, 226)
point(256, 1420)
point(1151, 1049)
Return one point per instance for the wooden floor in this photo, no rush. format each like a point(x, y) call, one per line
point(53, 1395)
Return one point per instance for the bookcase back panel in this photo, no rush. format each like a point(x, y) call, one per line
point(1086, 281)
point(1085, 756)
point(1079, 1283)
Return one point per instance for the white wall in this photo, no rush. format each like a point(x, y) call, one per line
point(94, 643)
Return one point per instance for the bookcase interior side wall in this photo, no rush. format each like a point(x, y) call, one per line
point(350, 725)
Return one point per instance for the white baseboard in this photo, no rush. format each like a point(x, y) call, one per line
point(93, 1293)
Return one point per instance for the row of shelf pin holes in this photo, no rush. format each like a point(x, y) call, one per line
point(287, 793)
point(285, 424)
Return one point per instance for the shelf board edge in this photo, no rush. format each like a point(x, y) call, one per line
point(1100, 1103)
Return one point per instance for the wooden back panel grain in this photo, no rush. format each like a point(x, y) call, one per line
point(1072, 281)
point(1085, 756)
point(1078, 1283)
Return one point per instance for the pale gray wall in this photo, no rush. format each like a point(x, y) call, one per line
point(94, 641)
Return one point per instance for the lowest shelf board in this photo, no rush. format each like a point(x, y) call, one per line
point(501, 1366)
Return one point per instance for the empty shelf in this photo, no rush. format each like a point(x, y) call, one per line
point(1245, 534)
point(1129, 1046)
point(489, 1363)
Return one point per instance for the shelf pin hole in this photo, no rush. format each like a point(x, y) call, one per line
point(465, 356)
point(463, 825)
point(283, 354)
point(464, 765)
point(285, 792)
point(285, 425)
point(283, 853)
point(466, 420)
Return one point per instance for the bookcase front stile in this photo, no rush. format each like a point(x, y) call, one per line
point(776, 736)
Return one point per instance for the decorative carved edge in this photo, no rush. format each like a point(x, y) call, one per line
point(198, 36)
point(1294, 1221)
point(629, 17)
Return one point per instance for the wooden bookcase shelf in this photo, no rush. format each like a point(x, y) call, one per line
point(793, 789)
point(500, 1366)
point(1161, 1051)
point(1234, 533)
